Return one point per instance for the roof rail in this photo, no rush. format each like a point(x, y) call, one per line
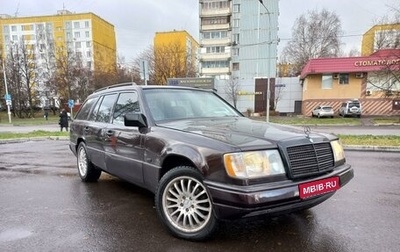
point(116, 85)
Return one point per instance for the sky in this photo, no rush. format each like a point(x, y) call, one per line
point(136, 21)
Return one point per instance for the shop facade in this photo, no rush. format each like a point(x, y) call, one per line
point(374, 80)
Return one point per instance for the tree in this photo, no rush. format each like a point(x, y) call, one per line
point(232, 88)
point(172, 60)
point(148, 56)
point(279, 90)
point(22, 78)
point(313, 36)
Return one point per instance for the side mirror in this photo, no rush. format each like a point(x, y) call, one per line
point(135, 120)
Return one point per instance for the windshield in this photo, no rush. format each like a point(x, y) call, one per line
point(171, 104)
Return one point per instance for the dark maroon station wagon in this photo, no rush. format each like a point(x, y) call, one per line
point(203, 160)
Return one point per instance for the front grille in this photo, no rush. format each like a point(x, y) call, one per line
point(310, 159)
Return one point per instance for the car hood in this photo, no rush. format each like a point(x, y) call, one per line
point(242, 131)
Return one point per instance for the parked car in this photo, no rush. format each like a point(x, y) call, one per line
point(351, 108)
point(203, 160)
point(323, 111)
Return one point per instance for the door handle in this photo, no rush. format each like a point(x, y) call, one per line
point(86, 130)
point(110, 133)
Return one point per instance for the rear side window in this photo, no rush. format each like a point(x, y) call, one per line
point(85, 110)
point(127, 102)
point(354, 104)
point(104, 112)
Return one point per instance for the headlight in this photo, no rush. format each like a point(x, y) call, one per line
point(338, 151)
point(253, 164)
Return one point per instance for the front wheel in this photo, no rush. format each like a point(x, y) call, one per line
point(184, 206)
point(87, 171)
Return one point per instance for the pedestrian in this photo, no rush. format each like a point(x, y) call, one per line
point(63, 120)
point(46, 115)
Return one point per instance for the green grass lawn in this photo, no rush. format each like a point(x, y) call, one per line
point(38, 120)
point(315, 121)
point(33, 134)
point(370, 140)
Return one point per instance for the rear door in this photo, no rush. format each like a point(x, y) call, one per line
point(95, 130)
point(124, 145)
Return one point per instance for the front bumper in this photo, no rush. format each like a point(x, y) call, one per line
point(231, 201)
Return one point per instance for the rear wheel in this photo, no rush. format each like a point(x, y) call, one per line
point(87, 171)
point(184, 206)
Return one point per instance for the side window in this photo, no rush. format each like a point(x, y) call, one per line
point(106, 106)
point(127, 102)
point(93, 115)
point(85, 110)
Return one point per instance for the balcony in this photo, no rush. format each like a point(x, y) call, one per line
point(215, 71)
point(216, 12)
point(215, 56)
point(215, 27)
point(219, 41)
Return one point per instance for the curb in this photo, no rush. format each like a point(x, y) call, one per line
point(371, 148)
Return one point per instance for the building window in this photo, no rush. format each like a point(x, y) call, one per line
point(88, 44)
point(68, 25)
point(78, 45)
point(15, 38)
point(76, 25)
point(236, 22)
point(236, 38)
point(87, 34)
point(77, 34)
point(327, 81)
point(344, 78)
point(215, 49)
point(215, 64)
point(14, 28)
point(235, 51)
point(86, 24)
point(236, 8)
point(89, 54)
point(235, 66)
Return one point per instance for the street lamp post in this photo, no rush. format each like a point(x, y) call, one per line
point(5, 84)
point(269, 42)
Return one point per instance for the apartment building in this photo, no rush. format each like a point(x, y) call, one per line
point(87, 35)
point(238, 44)
point(378, 37)
point(180, 50)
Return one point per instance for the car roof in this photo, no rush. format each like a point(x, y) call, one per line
point(134, 86)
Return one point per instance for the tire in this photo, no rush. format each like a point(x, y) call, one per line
point(87, 171)
point(184, 206)
point(319, 116)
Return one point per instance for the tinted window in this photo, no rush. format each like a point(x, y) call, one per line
point(85, 110)
point(104, 113)
point(354, 104)
point(127, 102)
point(93, 115)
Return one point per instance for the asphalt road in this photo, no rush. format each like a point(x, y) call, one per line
point(45, 207)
